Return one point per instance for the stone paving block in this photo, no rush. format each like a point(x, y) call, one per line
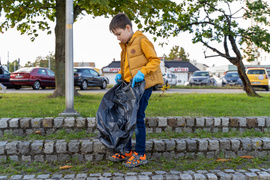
point(36, 122)
point(148, 146)
point(61, 146)
point(48, 146)
point(43, 176)
point(186, 177)
point(181, 121)
point(252, 122)
point(162, 122)
point(73, 146)
point(25, 123)
point(234, 122)
point(225, 144)
point(238, 176)
point(36, 147)
point(14, 158)
point(199, 177)
point(251, 175)
point(235, 144)
point(209, 121)
point(86, 146)
point(39, 158)
point(263, 175)
point(200, 122)
point(58, 122)
point(28, 176)
point(213, 145)
point(4, 123)
point(69, 122)
point(159, 145)
point(170, 144)
point(261, 121)
point(51, 158)
point(98, 147)
point(224, 176)
point(91, 122)
point(190, 121)
point(80, 122)
point(26, 159)
point(2, 146)
point(266, 143)
point(14, 123)
point(11, 147)
point(256, 144)
point(47, 122)
point(3, 177)
point(246, 144)
point(225, 121)
point(16, 177)
point(217, 121)
point(180, 145)
point(172, 122)
point(242, 122)
point(24, 147)
point(191, 145)
point(211, 176)
point(142, 177)
point(203, 144)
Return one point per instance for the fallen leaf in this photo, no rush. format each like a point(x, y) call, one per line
point(66, 167)
point(222, 160)
point(38, 132)
point(246, 157)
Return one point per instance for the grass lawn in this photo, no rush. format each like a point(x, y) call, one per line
point(202, 105)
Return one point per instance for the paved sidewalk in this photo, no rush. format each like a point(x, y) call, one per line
point(227, 174)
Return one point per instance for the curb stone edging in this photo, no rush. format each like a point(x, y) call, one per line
point(49, 125)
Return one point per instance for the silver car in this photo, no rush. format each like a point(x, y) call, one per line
point(202, 78)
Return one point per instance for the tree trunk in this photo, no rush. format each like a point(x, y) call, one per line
point(246, 83)
point(60, 29)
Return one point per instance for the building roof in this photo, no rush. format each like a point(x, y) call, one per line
point(168, 64)
point(182, 64)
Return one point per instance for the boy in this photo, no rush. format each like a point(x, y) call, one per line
point(138, 62)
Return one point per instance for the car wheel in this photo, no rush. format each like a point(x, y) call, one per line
point(17, 87)
point(155, 87)
point(104, 85)
point(84, 85)
point(36, 85)
point(43, 87)
point(267, 88)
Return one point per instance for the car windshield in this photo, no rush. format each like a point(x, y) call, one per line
point(256, 71)
point(229, 75)
point(27, 70)
point(201, 74)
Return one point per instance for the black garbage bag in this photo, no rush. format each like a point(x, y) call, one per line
point(117, 114)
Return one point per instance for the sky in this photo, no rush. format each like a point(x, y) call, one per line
point(93, 42)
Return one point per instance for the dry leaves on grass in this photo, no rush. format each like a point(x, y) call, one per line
point(38, 132)
point(247, 157)
point(66, 167)
point(222, 160)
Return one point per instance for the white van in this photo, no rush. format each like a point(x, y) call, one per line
point(171, 79)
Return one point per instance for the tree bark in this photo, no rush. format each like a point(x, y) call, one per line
point(243, 76)
point(60, 29)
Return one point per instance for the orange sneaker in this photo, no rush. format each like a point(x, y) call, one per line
point(120, 157)
point(135, 160)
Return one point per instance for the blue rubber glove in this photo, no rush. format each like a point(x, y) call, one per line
point(118, 77)
point(137, 78)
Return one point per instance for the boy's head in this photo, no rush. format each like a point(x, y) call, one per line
point(121, 27)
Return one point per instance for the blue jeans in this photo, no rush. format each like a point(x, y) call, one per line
point(140, 126)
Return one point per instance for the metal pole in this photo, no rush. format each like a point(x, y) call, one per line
point(69, 62)
point(49, 62)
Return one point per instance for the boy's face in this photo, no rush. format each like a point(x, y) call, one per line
point(123, 35)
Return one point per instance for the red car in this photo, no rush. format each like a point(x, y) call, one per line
point(33, 76)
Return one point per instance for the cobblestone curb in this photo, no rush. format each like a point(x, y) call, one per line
point(49, 125)
point(227, 174)
point(94, 150)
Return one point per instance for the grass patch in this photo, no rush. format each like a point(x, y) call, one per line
point(83, 135)
point(180, 164)
point(215, 105)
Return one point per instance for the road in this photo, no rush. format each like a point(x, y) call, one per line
point(202, 91)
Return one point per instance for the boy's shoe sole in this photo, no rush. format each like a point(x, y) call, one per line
point(141, 163)
point(119, 157)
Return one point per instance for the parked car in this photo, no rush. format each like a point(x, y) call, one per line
point(232, 79)
point(4, 77)
point(258, 77)
point(171, 79)
point(85, 77)
point(33, 76)
point(202, 78)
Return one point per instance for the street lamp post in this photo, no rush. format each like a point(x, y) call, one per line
point(69, 75)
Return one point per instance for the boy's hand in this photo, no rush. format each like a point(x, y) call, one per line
point(117, 77)
point(137, 78)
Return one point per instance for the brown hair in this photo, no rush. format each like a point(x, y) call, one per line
point(119, 21)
